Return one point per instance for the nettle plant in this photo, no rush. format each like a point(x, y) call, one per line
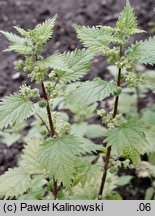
point(60, 159)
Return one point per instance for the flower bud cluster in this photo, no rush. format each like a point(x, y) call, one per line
point(27, 92)
point(38, 74)
point(113, 54)
point(29, 65)
point(107, 119)
point(116, 164)
point(61, 127)
point(18, 65)
point(134, 78)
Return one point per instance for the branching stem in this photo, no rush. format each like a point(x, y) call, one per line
point(107, 158)
point(43, 122)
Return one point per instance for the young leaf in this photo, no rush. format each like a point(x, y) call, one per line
point(14, 109)
point(128, 140)
point(78, 62)
point(91, 91)
point(44, 30)
point(127, 21)
point(17, 43)
point(13, 38)
point(55, 61)
point(95, 38)
point(142, 52)
point(14, 182)
point(21, 31)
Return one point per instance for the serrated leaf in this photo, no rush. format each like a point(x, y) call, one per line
point(29, 159)
point(128, 140)
point(14, 182)
point(58, 157)
point(36, 191)
point(21, 31)
point(78, 63)
point(127, 21)
point(13, 38)
point(88, 146)
point(94, 38)
point(91, 91)
point(55, 61)
point(21, 49)
point(17, 43)
point(9, 138)
point(150, 136)
point(86, 171)
point(142, 52)
point(14, 109)
point(44, 30)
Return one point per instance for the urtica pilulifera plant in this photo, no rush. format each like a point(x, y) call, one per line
point(60, 159)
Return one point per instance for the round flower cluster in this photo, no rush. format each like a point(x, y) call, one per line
point(27, 92)
point(61, 127)
point(109, 120)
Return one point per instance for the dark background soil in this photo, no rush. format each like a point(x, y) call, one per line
point(27, 13)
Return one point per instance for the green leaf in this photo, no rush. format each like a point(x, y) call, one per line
point(94, 131)
point(127, 21)
point(113, 195)
point(36, 191)
point(14, 109)
point(91, 91)
point(44, 31)
point(20, 49)
point(17, 43)
point(124, 180)
point(128, 140)
point(88, 146)
point(55, 61)
point(79, 129)
point(9, 138)
point(79, 62)
point(86, 171)
point(13, 38)
point(149, 193)
point(88, 130)
point(13, 183)
point(29, 160)
point(21, 31)
point(142, 52)
point(58, 157)
point(94, 38)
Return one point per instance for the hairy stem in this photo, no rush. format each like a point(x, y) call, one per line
point(107, 158)
point(45, 96)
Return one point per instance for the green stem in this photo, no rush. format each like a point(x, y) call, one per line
point(107, 157)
